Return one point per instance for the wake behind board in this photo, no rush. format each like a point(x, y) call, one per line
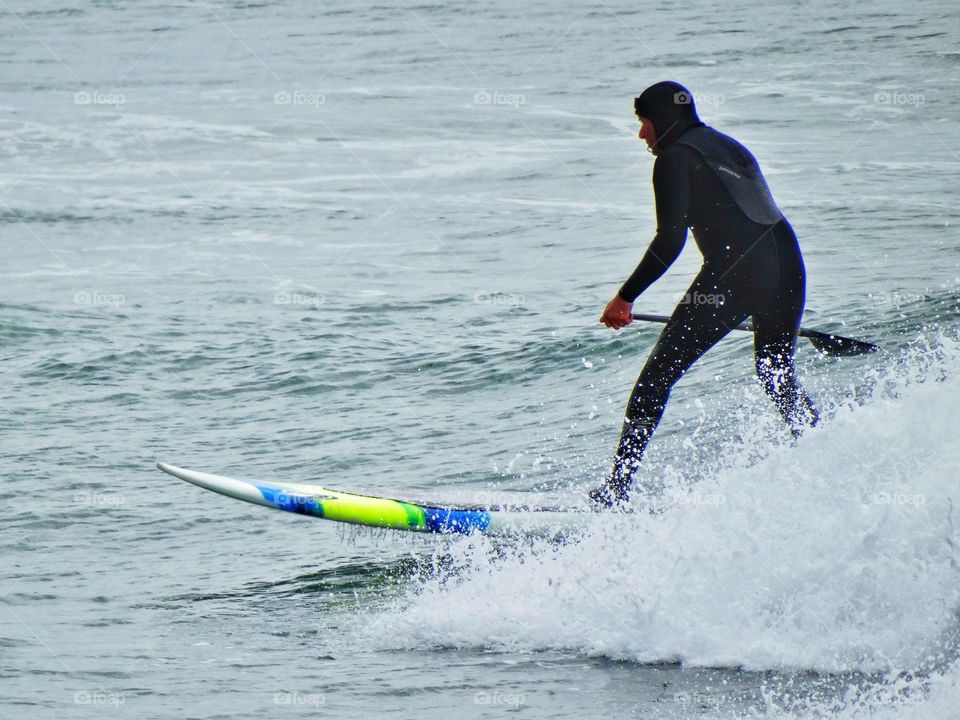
point(378, 512)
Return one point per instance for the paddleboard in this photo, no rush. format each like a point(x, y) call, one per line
point(379, 512)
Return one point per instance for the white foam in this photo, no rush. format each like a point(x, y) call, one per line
point(838, 554)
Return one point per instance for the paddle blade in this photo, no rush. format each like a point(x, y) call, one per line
point(838, 346)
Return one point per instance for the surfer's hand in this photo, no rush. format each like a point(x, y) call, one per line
point(617, 313)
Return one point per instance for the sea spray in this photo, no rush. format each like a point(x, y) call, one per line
point(836, 554)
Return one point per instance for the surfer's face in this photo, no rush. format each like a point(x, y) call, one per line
point(648, 134)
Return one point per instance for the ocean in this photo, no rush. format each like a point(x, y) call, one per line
point(366, 245)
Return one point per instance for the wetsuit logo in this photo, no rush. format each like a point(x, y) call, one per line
point(728, 171)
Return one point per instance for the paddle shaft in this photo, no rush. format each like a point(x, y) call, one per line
point(826, 343)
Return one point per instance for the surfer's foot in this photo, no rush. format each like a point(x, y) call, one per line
point(608, 495)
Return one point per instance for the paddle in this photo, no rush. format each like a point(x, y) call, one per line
point(828, 344)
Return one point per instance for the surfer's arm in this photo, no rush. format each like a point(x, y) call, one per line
point(671, 187)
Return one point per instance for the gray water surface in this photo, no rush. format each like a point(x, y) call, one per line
point(365, 245)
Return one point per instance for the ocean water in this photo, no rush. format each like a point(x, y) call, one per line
point(366, 245)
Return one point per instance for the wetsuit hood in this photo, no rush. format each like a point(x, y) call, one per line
point(669, 106)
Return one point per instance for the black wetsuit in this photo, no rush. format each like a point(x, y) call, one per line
point(752, 267)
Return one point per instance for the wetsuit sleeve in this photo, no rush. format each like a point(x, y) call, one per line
point(671, 187)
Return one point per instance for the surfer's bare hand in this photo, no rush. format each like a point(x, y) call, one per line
point(617, 314)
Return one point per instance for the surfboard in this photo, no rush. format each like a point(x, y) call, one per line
point(379, 512)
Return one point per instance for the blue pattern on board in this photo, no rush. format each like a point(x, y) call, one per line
point(445, 520)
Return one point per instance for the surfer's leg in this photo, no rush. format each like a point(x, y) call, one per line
point(775, 340)
point(696, 325)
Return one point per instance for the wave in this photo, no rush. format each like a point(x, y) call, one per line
point(837, 554)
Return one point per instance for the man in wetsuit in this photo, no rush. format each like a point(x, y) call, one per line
point(752, 267)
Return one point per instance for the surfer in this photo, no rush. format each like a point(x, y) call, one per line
point(752, 267)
